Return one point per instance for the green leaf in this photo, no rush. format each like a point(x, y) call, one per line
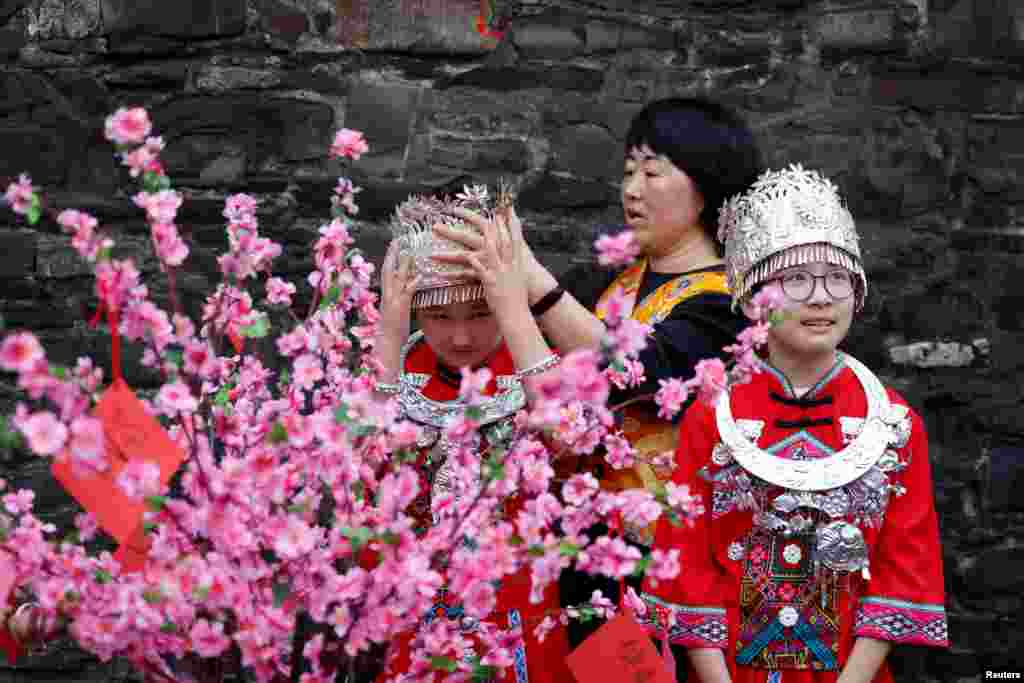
point(444, 664)
point(102, 576)
point(358, 536)
point(257, 329)
point(390, 537)
point(168, 627)
point(341, 414)
point(201, 593)
point(156, 503)
point(331, 297)
point(567, 549)
point(475, 413)
point(35, 210)
point(149, 527)
point(641, 566)
point(175, 356)
point(223, 396)
point(281, 589)
point(152, 596)
point(59, 371)
point(536, 551)
point(104, 254)
point(278, 434)
point(359, 490)
point(484, 672)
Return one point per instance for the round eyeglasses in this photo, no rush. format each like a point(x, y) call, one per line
point(799, 285)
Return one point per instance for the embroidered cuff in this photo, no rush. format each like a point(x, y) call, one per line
point(899, 621)
point(690, 626)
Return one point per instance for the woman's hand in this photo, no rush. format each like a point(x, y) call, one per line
point(494, 257)
point(536, 278)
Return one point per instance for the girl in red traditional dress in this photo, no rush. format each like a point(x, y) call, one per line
point(818, 548)
point(478, 320)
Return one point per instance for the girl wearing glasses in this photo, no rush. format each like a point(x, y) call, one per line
point(819, 548)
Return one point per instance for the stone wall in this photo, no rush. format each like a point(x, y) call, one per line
point(915, 108)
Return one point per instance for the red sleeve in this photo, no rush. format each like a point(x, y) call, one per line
point(904, 599)
point(694, 599)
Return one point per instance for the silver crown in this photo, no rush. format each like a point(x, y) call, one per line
point(412, 228)
point(787, 218)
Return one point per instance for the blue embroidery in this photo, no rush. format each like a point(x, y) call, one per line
point(519, 656)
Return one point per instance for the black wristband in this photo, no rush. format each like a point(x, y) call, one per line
point(546, 302)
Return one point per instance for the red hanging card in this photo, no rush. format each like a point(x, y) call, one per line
point(619, 652)
point(131, 434)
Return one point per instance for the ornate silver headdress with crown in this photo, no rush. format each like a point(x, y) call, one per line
point(787, 218)
point(412, 228)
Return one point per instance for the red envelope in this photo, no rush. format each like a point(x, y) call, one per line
point(131, 434)
point(619, 652)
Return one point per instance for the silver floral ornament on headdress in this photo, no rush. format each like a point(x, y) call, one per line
point(787, 218)
point(412, 227)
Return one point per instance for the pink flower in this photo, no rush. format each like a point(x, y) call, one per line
point(139, 479)
point(545, 627)
point(349, 144)
point(619, 454)
point(294, 538)
point(670, 397)
point(479, 599)
point(21, 352)
point(128, 126)
point(629, 337)
point(144, 158)
point(87, 525)
point(307, 370)
point(87, 440)
point(44, 433)
point(208, 640)
point(175, 398)
point(345, 195)
point(768, 300)
point(240, 208)
point(617, 250)
point(19, 194)
point(474, 383)
point(635, 602)
point(279, 291)
point(579, 488)
point(161, 207)
point(664, 565)
point(710, 377)
point(19, 502)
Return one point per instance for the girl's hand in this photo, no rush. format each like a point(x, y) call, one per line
point(398, 285)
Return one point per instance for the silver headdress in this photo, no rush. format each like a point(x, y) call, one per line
point(787, 218)
point(412, 227)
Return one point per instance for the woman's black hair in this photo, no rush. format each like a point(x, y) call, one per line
point(708, 141)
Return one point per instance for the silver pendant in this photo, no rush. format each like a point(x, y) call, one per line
point(840, 546)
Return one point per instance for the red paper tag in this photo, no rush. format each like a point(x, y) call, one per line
point(619, 652)
point(131, 434)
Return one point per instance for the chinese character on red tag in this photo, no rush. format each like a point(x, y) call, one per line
point(619, 652)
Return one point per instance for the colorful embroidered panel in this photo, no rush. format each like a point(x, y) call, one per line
point(789, 620)
point(906, 623)
point(691, 626)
